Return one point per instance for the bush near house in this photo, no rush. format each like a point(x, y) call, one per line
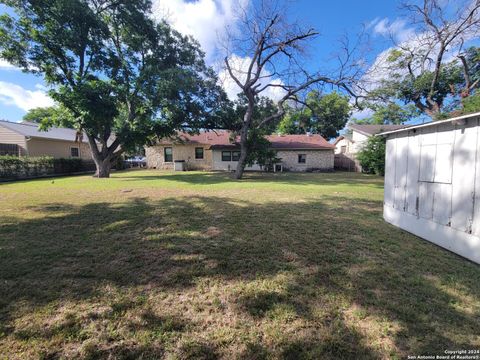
point(372, 156)
point(13, 167)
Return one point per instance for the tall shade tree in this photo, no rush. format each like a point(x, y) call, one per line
point(273, 49)
point(50, 116)
point(420, 70)
point(125, 78)
point(389, 114)
point(323, 114)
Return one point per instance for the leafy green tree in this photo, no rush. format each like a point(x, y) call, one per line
point(390, 114)
point(259, 148)
point(322, 114)
point(372, 156)
point(260, 151)
point(49, 116)
point(418, 71)
point(471, 104)
point(125, 79)
point(416, 88)
point(295, 122)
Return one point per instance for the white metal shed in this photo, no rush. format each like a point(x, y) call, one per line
point(431, 184)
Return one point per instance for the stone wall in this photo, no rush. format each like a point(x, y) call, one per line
point(219, 164)
point(155, 157)
point(316, 160)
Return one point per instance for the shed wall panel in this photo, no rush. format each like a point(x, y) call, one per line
point(412, 174)
point(390, 161)
point(425, 200)
point(463, 176)
point(442, 194)
point(401, 154)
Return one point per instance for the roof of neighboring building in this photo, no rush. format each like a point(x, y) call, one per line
point(341, 137)
point(313, 141)
point(370, 130)
point(457, 119)
point(221, 139)
point(30, 129)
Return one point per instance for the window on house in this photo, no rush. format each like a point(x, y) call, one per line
point(199, 153)
point(343, 149)
point(74, 152)
point(226, 156)
point(302, 158)
point(235, 155)
point(168, 154)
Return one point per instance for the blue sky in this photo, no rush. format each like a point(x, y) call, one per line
point(205, 18)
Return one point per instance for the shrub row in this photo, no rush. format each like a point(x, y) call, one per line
point(12, 167)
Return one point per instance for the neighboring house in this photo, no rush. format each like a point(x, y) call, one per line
point(353, 142)
point(25, 139)
point(432, 187)
point(214, 150)
point(349, 144)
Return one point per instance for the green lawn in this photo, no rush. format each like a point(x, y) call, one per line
point(153, 264)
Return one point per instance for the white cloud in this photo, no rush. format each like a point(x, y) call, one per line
point(362, 114)
point(205, 20)
point(15, 95)
point(239, 66)
point(397, 29)
point(5, 65)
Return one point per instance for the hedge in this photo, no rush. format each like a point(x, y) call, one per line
point(12, 167)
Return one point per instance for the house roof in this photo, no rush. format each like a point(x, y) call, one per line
point(313, 141)
point(30, 129)
point(221, 139)
point(370, 130)
point(458, 119)
point(341, 137)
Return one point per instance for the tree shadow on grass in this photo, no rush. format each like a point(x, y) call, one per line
point(331, 255)
point(294, 179)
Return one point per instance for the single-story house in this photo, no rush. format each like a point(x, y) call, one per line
point(432, 187)
point(349, 144)
point(26, 139)
point(215, 150)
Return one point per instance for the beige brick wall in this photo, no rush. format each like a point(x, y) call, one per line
point(155, 157)
point(316, 159)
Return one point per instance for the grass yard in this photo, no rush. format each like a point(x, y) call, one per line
point(153, 264)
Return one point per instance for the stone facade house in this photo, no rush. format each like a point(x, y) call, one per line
point(26, 139)
point(215, 150)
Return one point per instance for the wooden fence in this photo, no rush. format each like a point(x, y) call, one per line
point(344, 163)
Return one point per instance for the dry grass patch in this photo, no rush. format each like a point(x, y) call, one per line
point(199, 266)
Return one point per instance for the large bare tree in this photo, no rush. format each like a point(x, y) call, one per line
point(266, 53)
point(432, 64)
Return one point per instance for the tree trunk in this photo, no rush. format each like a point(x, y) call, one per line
point(103, 158)
point(242, 159)
point(103, 168)
point(247, 120)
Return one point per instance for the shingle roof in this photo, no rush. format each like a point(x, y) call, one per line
point(344, 136)
point(375, 129)
point(31, 129)
point(313, 141)
point(221, 139)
